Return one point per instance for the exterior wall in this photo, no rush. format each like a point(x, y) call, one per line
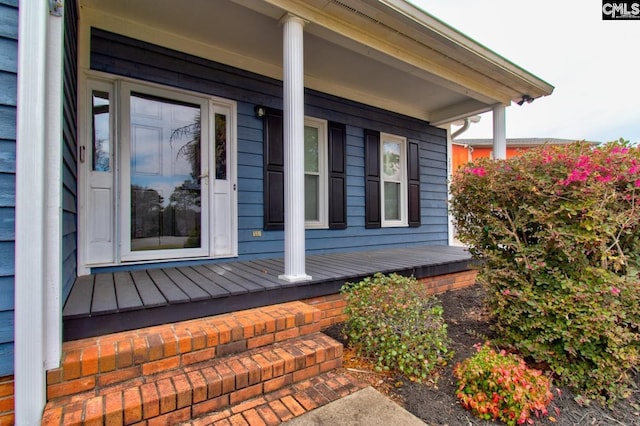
point(69, 150)
point(120, 55)
point(8, 94)
point(460, 155)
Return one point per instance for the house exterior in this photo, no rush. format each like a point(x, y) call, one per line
point(467, 150)
point(154, 134)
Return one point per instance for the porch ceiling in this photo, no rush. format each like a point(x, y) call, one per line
point(384, 53)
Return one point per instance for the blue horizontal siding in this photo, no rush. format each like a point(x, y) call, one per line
point(8, 101)
point(6, 293)
point(119, 55)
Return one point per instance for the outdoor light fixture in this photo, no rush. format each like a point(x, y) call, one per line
point(261, 111)
point(526, 98)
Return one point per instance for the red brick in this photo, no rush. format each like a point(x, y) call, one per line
point(160, 365)
point(215, 382)
point(198, 338)
point(71, 387)
point(286, 334)
point(54, 376)
point(223, 422)
point(241, 372)
point(167, 396)
point(289, 360)
point(89, 360)
point(93, 411)
point(304, 400)
point(259, 341)
point(276, 362)
point(253, 418)
point(306, 373)
point(246, 393)
point(293, 406)
point(51, 417)
point(211, 418)
point(268, 415)
point(184, 340)
point(150, 400)
point(254, 370)
point(107, 357)
point(6, 404)
point(247, 322)
point(71, 365)
point(113, 409)
point(228, 378)
point(205, 407)
point(124, 355)
point(277, 383)
point(140, 350)
point(266, 369)
point(211, 333)
point(198, 356)
point(238, 420)
point(73, 414)
point(117, 376)
point(281, 410)
point(172, 418)
point(224, 333)
point(183, 389)
point(331, 364)
point(247, 405)
point(199, 386)
point(155, 346)
point(132, 405)
point(169, 343)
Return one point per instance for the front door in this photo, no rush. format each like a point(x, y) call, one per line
point(172, 189)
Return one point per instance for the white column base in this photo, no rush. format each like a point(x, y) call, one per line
point(294, 278)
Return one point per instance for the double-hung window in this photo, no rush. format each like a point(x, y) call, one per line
point(392, 181)
point(393, 176)
point(324, 173)
point(315, 173)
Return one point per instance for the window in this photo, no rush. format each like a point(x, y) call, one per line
point(315, 173)
point(325, 173)
point(393, 159)
point(392, 175)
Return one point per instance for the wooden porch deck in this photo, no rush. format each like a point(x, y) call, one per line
point(109, 302)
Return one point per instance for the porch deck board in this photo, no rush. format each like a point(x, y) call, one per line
point(126, 292)
point(189, 288)
point(171, 292)
point(149, 293)
point(108, 302)
point(104, 300)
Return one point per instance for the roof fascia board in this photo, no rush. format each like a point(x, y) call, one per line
point(404, 49)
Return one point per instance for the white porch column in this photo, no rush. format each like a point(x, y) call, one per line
point(293, 118)
point(29, 358)
point(499, 132)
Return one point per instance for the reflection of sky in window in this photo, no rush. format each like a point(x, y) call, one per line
point(164, 185)
point(391, 158)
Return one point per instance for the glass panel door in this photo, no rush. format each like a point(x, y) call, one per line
point(166, 177)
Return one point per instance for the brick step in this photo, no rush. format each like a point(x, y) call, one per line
point(195, 390)
point(284, 404)
point(102, 361)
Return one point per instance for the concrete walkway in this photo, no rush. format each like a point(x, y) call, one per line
point(365, 407)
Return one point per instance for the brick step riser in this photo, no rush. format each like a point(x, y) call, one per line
point(202, 388)
point(110, 360)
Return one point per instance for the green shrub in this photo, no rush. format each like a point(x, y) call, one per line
point(500, 386)
point(558, 230)
point(393, 321)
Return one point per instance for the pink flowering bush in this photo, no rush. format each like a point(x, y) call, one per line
point(558, 230)
point(499, 386)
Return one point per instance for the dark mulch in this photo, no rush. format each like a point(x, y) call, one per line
point(436, 404)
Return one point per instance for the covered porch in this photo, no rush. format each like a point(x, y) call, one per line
point(109, 302)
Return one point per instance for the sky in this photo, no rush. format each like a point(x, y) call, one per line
point(593, 64)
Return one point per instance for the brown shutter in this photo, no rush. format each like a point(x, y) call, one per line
point(413, 162)
point(337, 176)
point(273, 170)
point(372, 179)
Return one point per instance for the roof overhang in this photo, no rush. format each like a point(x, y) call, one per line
point(385, 53)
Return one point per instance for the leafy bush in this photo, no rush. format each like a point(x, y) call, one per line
point(558, 230)
point(393, 321)
point(500, 386)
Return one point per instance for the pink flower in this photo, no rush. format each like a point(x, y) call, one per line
point(637, 183)
point(604, 178)
point(479, 171)
point(615, 291)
